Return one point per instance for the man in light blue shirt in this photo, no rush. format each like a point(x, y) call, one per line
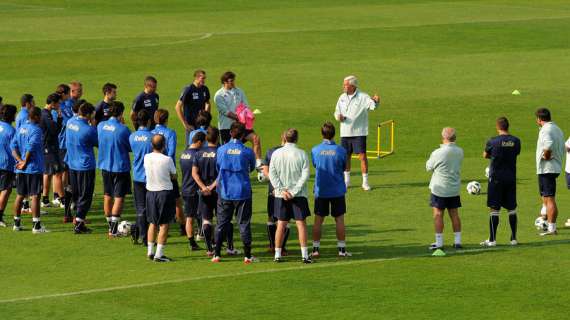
point(7, 162)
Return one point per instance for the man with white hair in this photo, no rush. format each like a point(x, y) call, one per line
point(445, 163)
point(352, 113)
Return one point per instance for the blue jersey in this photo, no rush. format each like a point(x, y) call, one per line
point(189, 186)
point(170, 136)
point(7, 133)
point(193, 133)
point(114, 146)
point(22, 117)
point(29, 139)
point(80, 139)
point(66, 114)
point(503, 151)
point(329, 161)
point(234, 163)
point(141, 144)
point(205, 161)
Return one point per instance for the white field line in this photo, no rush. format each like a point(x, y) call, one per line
point(29, 7)
point(222, 276)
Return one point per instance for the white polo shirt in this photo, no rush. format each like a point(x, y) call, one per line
point(355, 109)
point(158, 167)
point(550, 138)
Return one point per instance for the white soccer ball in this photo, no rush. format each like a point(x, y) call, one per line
point(541, 224)
point(474, 187)
point(487, 171)
point(261, 177)
point(124, 228)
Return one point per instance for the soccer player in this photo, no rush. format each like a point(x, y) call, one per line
point(141, 145)
point(503, 151)
point(329, 161)
point(80, 139)
point(205, 173)
point(27, 102)
point(51, 127)
point(189, 186)
point(549, 154)
point(202, 123)
point(147, 100)
point(351, 111)
point(194, 98)
point(114, 162)
point(234, 163)
point(161, 120)
point(102, 108)
point(160, 205)
point(27, 149)
point(7, 162)
point(66, 113)
point(289, 173)
point(445, 163)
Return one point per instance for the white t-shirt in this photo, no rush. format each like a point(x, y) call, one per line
point(158, 168)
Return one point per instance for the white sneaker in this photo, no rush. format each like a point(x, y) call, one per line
point(2, 224)
point(549, 233)
point(488, 244)
point(250, 260)
point(366, 187)
point(344, 254)
point(567, 223)
point(199, 237)
point(17, 228)
point(514, 242)
point(233, 252)
point(57, 203)
point(27, 210)
point(40, 230)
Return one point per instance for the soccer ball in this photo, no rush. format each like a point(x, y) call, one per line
point(487, 171)
point(124, 228)
point(261, 177)
point(567, 223)
point(541, 224)
point(474, 187)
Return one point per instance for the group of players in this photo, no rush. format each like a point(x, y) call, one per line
point(56, 145)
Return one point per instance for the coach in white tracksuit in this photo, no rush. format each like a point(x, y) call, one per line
point(352, 113)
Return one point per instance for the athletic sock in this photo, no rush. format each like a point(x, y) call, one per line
point(305, 252)
point(55, 195)
point(45, 199)
point(341, 243)
point(37, 223)
point(2, 215)
point(208, 235)
point(316, 244)
point(230, 236)
point(192, 242)
point(439, 240)
point(365, 178)
point(513, 223)
point(247, 250)
point(347, 178)
point(286, 237)
point(159, 250)
point(457, 237)
point(258, 163)
point(25, 204)
point(543, 211)
point(115, 224)
point(271, 230)
point(551, 227)
point(108, 222)
point(150, 248)
point(17, 221)
point(493, 225)
point(277, 253)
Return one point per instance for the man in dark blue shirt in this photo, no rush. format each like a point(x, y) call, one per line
point(234, 163)
point(102, 108)
point(147, 100)
point(503, 151)
point(7, 162)
point(194, 98)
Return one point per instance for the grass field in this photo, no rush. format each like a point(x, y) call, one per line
point(434, 63)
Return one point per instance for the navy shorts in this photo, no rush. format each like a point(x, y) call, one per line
point(502, 195)
point(6, 180)
point(160, 207)
point(547, 184)
point(116, 184)
point(330, 206)
point(355, 145)
point(62, 154)
point(271, 206)
point(296, 208)
point(52, 163)
point(190, 206)
point(207, 205)
point(445, 202)
point(176, 189)
point(29, 184)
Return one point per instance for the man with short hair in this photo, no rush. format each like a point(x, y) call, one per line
point(329, 161)
point(141, 145)
point(351, 111)
point(102, 107)
point(289, 173)
point(27, 149)
point(202, 123)
point(549, 154)
point(160, 205)
point(194, 98)
point(114, 163)
point(7, 162)
point(234, 163)
point(27, 102)
point(445, 163)
point(80, 139)
point(147, 100)
point(502, 151)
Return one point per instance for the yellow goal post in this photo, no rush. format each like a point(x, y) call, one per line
point(384, 130)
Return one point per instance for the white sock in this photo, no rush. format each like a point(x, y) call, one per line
point(457, 237)
point(150, 248)
point(115, 218)
point(543, 211)
point(551, 227)
point(365, 178)
point(277, 252)
point(108, 219)
point(439, 239)
point(159, 250)
point(341, 244)
point(316, 244)
point(305, 252)
point(36, 219)
point(347, 178)
point(78, 219)
point(258, 163)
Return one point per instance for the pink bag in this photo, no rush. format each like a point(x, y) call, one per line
point(245, 115)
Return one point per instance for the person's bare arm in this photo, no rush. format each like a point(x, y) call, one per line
point(547, 154)
point(199, 182)
point(486, 155)
point(208, 106)
point(134, 119)
point(180, 114)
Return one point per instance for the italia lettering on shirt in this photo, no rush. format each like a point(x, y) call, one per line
point(208, 155)
point(509, 144)
point(234, 151)
point(328, 153)
point(23, 131)
point(108, 127)
point(141, 138)
point(186, 156)
point(73, 127)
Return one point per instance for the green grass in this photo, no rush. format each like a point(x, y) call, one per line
point(435, 64)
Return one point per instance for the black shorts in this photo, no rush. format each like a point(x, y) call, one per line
point(190, 206)
point(271, 206)
point(176, 189)
point(62, 153)
point(502, 195)
point(160, 207)
point(225, 136)
point(296, 208)
point(445, 202)
point(6, 180)
point(333, 206)
point(207, 205)
point(355, 145)
point(247, 133)
point(116, 184)
point(52, 163)
point(547, 184)
point(29, 184)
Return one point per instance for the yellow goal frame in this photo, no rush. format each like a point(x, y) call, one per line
point(379, 152)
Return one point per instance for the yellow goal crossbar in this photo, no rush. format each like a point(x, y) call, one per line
point(380, 151)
